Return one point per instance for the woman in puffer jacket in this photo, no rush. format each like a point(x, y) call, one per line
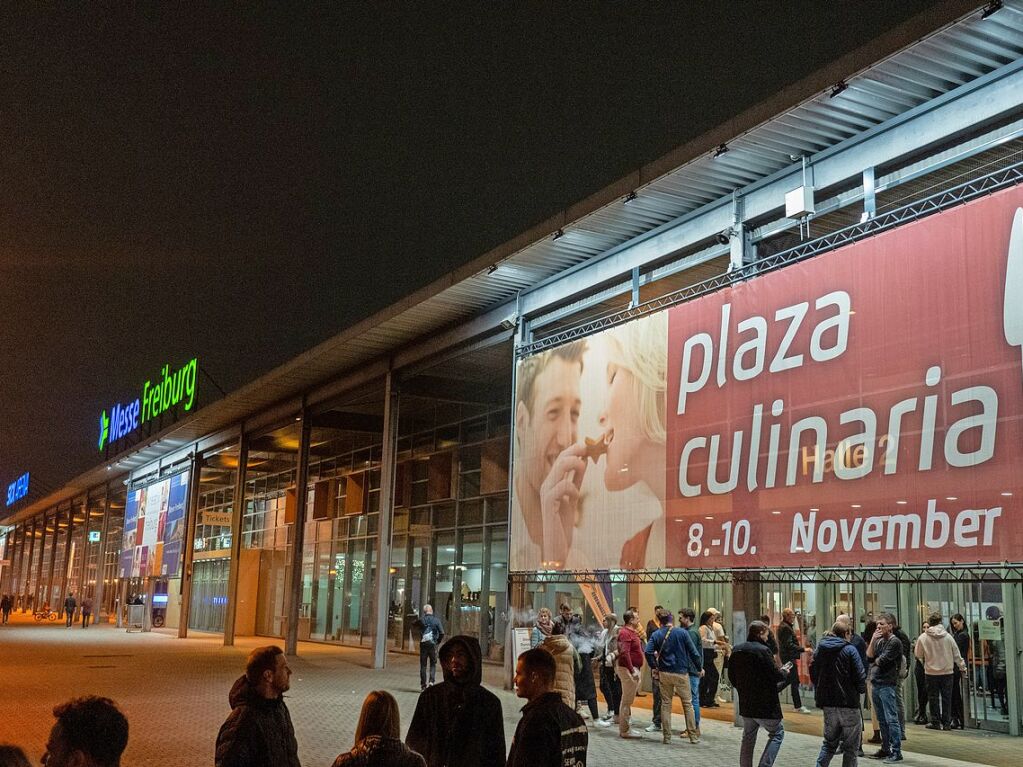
point(378, 737)
point(569, 663)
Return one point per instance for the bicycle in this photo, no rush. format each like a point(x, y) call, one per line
point(42, 615)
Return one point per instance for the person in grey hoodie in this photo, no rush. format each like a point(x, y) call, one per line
point(839, 680)
point(939, 653)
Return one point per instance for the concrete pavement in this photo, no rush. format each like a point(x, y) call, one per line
point(174, 693)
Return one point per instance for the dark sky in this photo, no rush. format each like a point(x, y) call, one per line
point(240, 185)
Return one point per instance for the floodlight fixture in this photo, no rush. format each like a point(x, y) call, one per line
point(838, 87)
point(720, 150)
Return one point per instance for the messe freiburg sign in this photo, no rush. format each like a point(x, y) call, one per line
point(172, 388)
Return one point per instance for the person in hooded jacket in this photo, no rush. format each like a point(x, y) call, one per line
point(839, 679)
point(458, 723)
point(569, 663)
point(258, 732)
point(378, 737)
point(939, 653)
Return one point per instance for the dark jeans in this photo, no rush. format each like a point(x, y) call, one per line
point(958, 716)
point(709, 680)
point(427, 651)
point(939, 697)
point(793, 682)
point(922, 695)
point(69, 618)
point(657, 702)
point(85, 619)
point(611, 686)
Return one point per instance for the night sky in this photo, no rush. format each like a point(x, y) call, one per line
point(240, 185)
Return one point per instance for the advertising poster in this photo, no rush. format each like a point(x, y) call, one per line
point(173, 531)
point(154, 529)
point(131, 511)
point(862, 407)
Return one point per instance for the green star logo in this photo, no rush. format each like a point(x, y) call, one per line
point(104, 429)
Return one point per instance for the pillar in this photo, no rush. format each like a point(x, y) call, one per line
point(101, 560)
point(188, 546)
point(294, 600)
point(237, 510)
point(381, 590)
point(83, 588)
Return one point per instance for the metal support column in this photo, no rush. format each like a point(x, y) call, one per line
point(737, 236)
point(635, 288)
point(237, 510)
point(298, 537)
point(53, 563)
point(188, 547)
point(869, 194)
point(381, 589)
point(101, 560)
point(83, 588)
point(67, 564)
point(27, 572)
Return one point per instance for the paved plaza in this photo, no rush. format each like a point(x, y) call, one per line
point(174, 693)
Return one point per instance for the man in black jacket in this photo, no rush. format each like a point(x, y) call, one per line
point(550, 734)
point(758, 680)
point(790, 651)
point(258, 732)
point(885, 654)
point(429, 640)
point(458, 723)
point(839, 680)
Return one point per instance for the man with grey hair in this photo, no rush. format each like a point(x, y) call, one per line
point(839, 680)
point(429, 640)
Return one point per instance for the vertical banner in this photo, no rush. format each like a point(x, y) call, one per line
point(154, 521)
point(862, 407)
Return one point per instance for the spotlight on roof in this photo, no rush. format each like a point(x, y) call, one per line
point(630, 197)
point(720, 150)
point(838, 87)
point(558, 234)
point(991, 8)
point(492, 268)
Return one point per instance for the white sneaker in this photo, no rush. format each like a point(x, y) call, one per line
point(632, 735)
point(803, 710)
point(653, 728)
point(603, 723)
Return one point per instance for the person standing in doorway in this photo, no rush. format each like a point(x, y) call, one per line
point(942, 663)
point(839, 680)
point(790, 650)
point(959, 633)
point(630, 664)
point(69, 609)
point(86, 611)
point(708, 643)
point(885, 655)
point(429, 641)
point(758, 681)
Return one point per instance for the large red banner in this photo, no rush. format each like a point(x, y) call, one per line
point(863, 407)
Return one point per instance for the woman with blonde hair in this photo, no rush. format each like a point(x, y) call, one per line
point(634, 420)
point(378, 737)
point(543, 627)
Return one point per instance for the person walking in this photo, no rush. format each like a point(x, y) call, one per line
point(89, 731)
point(790, 650)
point(886, 658)
point(258, 732)
point(459, 723)
point(550, 733)
point(630, 664)
point(962, 637)
point(758, 680)
point(839, 679)
point(6, 605)
point(607, 656)
point(430, 639)
point(69, 609)
point(378, 737)
point(942, 661)
point(86, 611)
point(543, 627)
point(671, 654)
point(568, 661)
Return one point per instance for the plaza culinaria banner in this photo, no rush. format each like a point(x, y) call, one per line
point(862, 407)
point(154, 529)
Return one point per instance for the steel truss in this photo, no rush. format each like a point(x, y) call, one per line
point(936, 203)
point(938, 573)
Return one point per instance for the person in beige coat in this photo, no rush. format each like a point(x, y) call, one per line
point(568, 660)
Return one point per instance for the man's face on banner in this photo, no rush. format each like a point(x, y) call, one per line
point(552, 424)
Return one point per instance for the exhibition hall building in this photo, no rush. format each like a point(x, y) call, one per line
point(780, 367)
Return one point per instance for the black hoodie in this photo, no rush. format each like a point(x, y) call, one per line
point(459, 724)
point(258, 731)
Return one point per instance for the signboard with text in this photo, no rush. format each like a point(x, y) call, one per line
point(862, 407)
point(154, 528)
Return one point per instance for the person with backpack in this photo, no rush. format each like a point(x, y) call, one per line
point(672, 655)
point(429, 641)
